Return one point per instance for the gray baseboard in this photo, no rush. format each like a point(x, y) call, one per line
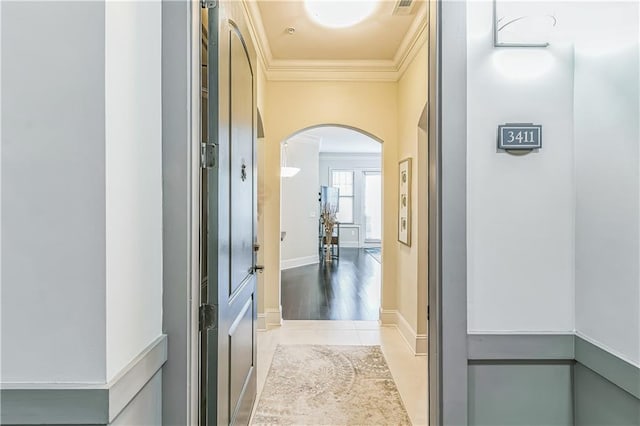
point(69, 404)
point(614, 369)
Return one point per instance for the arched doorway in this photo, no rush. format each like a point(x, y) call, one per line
point(331, 224)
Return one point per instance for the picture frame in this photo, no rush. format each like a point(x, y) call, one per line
point(404, 201)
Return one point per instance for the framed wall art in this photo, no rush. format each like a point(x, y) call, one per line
point(404, 199)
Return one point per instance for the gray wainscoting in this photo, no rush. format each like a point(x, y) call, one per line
point(548, 379)
point(599, 402)
point(520, 393)
point(54, 404)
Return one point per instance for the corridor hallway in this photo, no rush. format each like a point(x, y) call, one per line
point(348, 288)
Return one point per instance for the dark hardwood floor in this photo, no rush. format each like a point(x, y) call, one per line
point(348, 288)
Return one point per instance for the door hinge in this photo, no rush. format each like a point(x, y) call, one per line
point(208, 317)
point(428, 313)
point(208, 4)
point(208, 155)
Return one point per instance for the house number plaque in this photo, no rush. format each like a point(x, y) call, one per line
point(519, 136)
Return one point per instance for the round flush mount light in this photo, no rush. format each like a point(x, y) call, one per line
point(339, 14)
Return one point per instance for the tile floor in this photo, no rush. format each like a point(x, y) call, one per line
point(408, 371)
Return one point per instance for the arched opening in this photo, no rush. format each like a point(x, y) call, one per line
point(331, 224)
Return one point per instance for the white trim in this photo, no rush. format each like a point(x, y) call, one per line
point(608, 349)
point(388, 317)
point(422, 345)
point(262, 322)
point(409, 335)
point(82, 403)
point(273, 318)
point(416, 342)
point(350, 244)
point(298, 261)
point(336, 70)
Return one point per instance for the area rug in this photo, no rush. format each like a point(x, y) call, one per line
point(375, 252)
point(329, 385)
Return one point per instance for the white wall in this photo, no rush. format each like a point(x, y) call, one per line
point(53, 192)
point(569, 215)
point(520, 208)
point(81, 189)
point(608, 186)
point(346, 161)
point(133, 179)
point(351, 235)
point(300, 208)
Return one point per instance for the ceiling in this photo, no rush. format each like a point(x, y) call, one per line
point(378, 48)
point(343, 140)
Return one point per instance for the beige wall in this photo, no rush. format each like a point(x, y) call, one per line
point(412, 98)
point(389, 111)
point(294, 106)
point(261, 96)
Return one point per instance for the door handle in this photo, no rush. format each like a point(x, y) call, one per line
point(256, 268)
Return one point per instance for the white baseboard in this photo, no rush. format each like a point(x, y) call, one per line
point(350, 244)
point(262, 322)
point(298, 261)
point(416, 342)
point(422, 345)
point(271, 318)
point(388, 317)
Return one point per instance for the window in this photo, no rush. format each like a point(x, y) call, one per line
point(372, 206)
point(343, 180)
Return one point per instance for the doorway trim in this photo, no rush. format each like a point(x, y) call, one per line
point(448, 359)
point(270, 322)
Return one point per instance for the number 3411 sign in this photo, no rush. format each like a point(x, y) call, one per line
point(520, 136)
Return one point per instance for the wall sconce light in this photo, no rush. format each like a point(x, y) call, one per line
point(525, 30)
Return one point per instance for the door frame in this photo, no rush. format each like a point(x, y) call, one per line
point(181, 207)
point(447, 123)
point(448, 359)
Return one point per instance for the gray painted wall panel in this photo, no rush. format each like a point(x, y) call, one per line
point(526, 394)
point(176, 53)
point(453, 144)
point(599, 402)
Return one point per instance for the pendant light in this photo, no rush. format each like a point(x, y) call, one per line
point(286, 171)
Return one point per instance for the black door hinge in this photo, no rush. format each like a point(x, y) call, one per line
point(208, 317)
point(428, 313)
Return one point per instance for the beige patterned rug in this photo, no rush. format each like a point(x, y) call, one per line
point(329, 385)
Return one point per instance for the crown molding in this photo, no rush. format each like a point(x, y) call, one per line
point(388, 70)
point(257, 32)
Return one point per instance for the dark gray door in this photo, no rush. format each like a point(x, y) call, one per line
point(228, 343)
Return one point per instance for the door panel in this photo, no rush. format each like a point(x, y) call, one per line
point(241, 131)
point(240, 354)
point(228, 350)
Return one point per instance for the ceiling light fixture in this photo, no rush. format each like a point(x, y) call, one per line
point(340, 14)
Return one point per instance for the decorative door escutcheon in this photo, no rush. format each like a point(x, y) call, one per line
point(243, 172)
